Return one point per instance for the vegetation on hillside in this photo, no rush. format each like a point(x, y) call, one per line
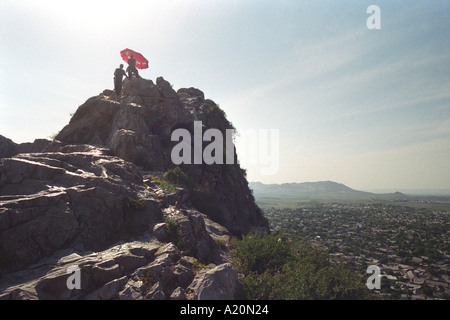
point(277, 268)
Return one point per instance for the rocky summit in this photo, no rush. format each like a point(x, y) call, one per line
point(102, 211)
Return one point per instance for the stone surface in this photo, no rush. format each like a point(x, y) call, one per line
point(218, 283)
point(7, 147)
point(53, 200)
point(97, 198)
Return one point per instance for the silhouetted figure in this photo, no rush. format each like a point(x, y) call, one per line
point(118, 77)
point(132, 67)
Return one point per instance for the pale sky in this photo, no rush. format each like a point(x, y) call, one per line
point(367, 108)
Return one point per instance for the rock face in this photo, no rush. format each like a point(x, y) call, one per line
point(56, 199)
point(137, 129)
point(104, 198)
point(218, 283)
point(7, 147)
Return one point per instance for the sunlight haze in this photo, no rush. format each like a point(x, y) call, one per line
point(366, 108)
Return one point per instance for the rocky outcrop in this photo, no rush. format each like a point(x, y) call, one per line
point(218, 283)
point(137, 128)
point(99, 198)
point(56, 199)
point(137, 270)
point(7, 147)
point(128, 126)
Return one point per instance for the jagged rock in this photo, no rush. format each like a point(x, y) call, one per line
point(131, 262)
point(127, 127)
point(39, 145)
point(166, 89)
point(7, 147)
point(191, 97)
point(91, 123)
point(156, 292)
point(178, 294)
point(218, 283)
point(184, 275)
point(106, 271)
point(194, 236)
point(109, 291)
point(160, 232)
point(142, 149)
point(89, 199)
point(168, 254)
point(103, 275)
point(133, 290)
point(52, 200)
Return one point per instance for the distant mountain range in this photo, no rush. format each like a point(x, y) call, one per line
point(316, 190)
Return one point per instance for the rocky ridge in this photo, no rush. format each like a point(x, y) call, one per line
point(97, 198)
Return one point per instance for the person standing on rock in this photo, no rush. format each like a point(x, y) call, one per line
point(118, 77)
point(132, 67)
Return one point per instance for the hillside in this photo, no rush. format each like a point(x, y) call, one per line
point(105, 200)
point(323, 190)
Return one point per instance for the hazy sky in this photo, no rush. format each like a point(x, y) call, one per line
point(367, 108)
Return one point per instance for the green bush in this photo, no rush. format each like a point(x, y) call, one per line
point(163, 184)
point(178, 176)
point(256, 253)
point(174, 233)
point(133, 204)
point(276, 268)
point(197, 266)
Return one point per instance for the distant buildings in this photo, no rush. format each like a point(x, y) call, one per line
point(378, 234)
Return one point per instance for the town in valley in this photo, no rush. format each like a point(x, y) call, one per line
point(408, 238)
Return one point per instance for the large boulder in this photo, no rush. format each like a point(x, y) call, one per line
point(218, 283)
point(193, 235)
point(142, 149)
point(91, 123)
point(135, 127)
point(7, 147)
point(53, 200)
point(102, 275)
